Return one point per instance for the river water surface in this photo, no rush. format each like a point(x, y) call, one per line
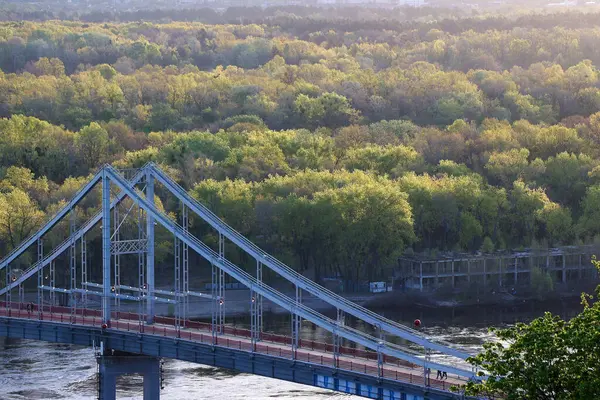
point(38, 370)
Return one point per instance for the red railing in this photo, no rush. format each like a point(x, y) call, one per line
point(164, 326)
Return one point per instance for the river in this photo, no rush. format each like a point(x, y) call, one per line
point(36, 370)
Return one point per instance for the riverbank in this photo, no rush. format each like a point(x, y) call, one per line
point(395, 300)
point(237, 302)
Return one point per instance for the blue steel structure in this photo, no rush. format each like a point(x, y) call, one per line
point(127, 344)
point(119, 191)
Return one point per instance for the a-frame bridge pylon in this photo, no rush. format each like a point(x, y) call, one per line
point(147, 293)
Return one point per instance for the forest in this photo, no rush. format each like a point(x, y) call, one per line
point(337, 145)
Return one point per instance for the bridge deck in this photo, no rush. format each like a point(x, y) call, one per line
point(236, 339)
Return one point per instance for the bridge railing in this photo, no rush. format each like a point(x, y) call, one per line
point(91, 318)
point(229, 330)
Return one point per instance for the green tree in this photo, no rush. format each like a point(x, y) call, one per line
point(590, 205)
point(470, 230)
point(19, 216)
point(508, 166)
point(525, 207)
point(329, 110)
point(541, 282)
point(547, 359)
point(48, 66)
point(488, 245)
point(92, 142)
point(566, 177)
point(309, 110)
point(43, 148)
point(557, 223)
point(369, 224)
point(393, 160)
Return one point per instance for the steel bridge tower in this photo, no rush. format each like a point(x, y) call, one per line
point(128, 219)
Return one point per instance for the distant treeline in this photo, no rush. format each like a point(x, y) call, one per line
point(336, 149)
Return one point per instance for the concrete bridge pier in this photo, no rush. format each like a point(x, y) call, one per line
point(112, 363)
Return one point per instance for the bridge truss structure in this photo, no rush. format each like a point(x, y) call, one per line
point(128, 218)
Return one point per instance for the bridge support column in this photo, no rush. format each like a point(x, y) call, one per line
point(113, 364)
point(116, 289)
point(221, 287)
point(84, 276)
point(256, 309)
point(141, 271)
point(177, 280)
point(40, 277)
point(106, 299)
point(73, 265)
point(150, 250)
point(296, 324)
point(337, 340)
point(186, 268)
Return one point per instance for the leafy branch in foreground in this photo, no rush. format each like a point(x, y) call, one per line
point(547, 359)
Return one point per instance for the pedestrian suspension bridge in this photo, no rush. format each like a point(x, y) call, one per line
point(113, 305)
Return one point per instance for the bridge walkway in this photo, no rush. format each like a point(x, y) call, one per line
point(353, 360)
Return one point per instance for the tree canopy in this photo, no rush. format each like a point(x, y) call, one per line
point(477, 133)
